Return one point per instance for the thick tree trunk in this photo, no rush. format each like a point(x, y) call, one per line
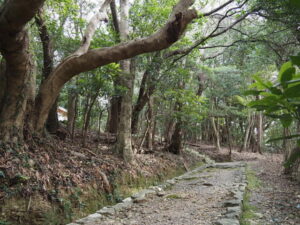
point(176, 141)
point(169, 131)
point(18, 70)
point(124, 145)
point(14, 47)
point(52, 123)
point(114, 112)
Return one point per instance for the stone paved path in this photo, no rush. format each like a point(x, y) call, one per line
point(203, 196)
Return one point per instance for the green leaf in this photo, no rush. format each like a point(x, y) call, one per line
point(252, 92)
point(295, 3)
point(292, 92)
point(286, 120)
point(296, 59)
point(283, 68)
point(275, 91)
point(260, 81)
point(287, 75)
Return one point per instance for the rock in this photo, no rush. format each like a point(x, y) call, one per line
point(235, 215)
point(235, 209)
point(156, 188)
point(172, 181)
point(92, 218)
point(143, 193)
point(107, 211)
point(161, 193)
point(231, 203)
point(229, 165)
point(121, 206)
point(140, 200)
point(207, 184)
point(227, 222)
point(126, 200)
point(259, 215)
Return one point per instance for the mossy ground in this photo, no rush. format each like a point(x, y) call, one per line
point(248, 209)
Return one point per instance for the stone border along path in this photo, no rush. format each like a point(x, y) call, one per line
point(210, 194)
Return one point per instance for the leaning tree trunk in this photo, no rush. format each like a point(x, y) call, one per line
point(52, 123)
point(147, 89)
point(84, 59)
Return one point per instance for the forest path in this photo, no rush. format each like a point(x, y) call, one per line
point(277, 199)
point(210, 194)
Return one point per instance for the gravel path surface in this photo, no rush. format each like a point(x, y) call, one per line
point(278, 198)
point(196, 198)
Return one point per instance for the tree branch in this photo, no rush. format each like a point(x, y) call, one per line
point(91, 28)
point(180, 17)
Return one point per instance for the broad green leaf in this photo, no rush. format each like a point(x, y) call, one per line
point(260, 81)
point(292, 92)
point(296, 59)
point(287, 75)
point(283, 68)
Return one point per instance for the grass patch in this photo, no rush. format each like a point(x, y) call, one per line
point(249, 210)
point(173, 196)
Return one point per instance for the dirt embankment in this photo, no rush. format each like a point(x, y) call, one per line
point(52, 180)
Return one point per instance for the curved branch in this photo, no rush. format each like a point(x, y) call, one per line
point(180, 17)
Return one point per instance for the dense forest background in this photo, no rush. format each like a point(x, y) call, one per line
point(148, 74)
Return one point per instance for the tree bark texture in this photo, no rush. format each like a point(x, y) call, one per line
point(124, 145)
point(14, 47)
point(52, 123)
